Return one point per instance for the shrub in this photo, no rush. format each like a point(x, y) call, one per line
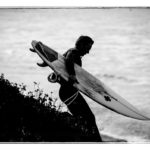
point(32, 117)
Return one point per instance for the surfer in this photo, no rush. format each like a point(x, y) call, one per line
point(70, 95)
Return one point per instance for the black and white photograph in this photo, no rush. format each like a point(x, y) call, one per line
point(75, 75)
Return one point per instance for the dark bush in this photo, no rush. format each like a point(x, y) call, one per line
point(24, 118)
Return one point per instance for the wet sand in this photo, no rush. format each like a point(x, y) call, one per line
point(110, 139)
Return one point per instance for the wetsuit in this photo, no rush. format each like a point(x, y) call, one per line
point(78, 107)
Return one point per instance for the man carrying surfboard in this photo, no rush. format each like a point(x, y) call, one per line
point(72, 78)
point(71, 96)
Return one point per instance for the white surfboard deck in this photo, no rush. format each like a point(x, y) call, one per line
point(88, 84)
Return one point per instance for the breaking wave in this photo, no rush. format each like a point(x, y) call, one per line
point(111, 76)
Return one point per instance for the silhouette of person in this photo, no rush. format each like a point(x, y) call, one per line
point(75, 102)
point(70, 95)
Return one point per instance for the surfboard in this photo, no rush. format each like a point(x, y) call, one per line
point(87, 83)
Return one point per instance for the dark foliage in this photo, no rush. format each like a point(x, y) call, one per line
point(24, 118)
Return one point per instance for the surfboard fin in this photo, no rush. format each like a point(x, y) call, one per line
point(32, 50)
point(43, 64)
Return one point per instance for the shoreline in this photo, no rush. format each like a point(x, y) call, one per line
point(111, 139)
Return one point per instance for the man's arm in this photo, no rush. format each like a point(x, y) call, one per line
point(70, 60)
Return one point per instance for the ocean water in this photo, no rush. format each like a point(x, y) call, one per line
point(120, 56)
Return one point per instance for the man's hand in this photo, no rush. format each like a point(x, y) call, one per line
point(73, 79)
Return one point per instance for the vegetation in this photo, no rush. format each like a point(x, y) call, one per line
point(33, 117)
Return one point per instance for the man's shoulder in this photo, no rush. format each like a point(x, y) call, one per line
point(71, 51)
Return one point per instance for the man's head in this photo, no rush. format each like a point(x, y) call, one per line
point(84, 44)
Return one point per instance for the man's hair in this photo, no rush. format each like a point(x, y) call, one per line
point(83, 40)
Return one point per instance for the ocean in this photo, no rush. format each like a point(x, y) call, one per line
point(120, 56)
